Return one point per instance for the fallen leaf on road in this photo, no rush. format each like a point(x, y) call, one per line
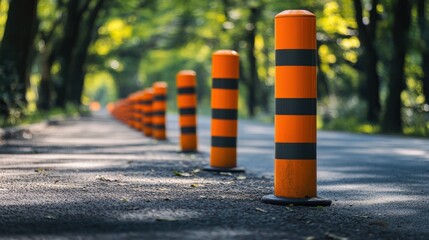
point(49, 217)
point(196, 170)
point(241, 177)
point(226, 173)
point(362, 216)
point(182, 174)
point(261, 210)
point(334, 237)
point(310, 238)
point(320, 207)
point(194, 185)
point(3, 189)
point(103, 179)
point(125, 200)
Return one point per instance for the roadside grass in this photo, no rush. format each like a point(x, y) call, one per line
point(36, 116)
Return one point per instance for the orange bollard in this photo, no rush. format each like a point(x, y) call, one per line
point(159, 106)
point(296, 108)
point(225, 74)
point(147, 106)
point(139, 110)
point(187, 104)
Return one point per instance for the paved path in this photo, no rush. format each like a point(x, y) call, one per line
point(382, 175)
point(95, 178)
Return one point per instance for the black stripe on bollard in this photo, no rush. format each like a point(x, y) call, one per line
point(296, 106)
point(224, 142)
point(148, 114)
point(158, 113)
point(149, 125)
point(225, 83)
point(188, 130)
point(159, 98)
point(187, 111)
point(296, 57)
point(158, 126)
point(229, 114)
point(187, 90)
point(296, 151)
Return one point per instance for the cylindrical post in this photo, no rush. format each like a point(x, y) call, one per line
point(140, 117)
point(187, 104)
point(135, 111)
point(147, 106)
point(295, 111)
point(159, 106)
point(225, 74)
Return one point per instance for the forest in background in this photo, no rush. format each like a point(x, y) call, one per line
point(373, 61)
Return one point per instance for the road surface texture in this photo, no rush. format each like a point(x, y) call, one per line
point(94, 178)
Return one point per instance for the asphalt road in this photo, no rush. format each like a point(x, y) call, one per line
point(93, 178)
point(386, 176)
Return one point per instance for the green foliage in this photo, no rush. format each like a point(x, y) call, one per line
point(140, 42)
point(12, 102)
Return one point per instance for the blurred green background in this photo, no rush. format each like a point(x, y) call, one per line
point(373, 62)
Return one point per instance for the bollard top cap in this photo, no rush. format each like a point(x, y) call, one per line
point(295, 13)
point(225, 53)
point(187, 72)
point(159, 85)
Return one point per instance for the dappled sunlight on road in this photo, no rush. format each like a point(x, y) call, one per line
point(370, 176)
point(384, 175)
point(151, 215)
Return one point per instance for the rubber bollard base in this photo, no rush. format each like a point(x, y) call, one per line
point(218, 169)
point(312, 202)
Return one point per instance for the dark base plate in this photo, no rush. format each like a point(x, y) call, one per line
point(312, 202)
point(218, 169)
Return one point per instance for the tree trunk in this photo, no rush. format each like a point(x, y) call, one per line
point(77, 72)
point(69, 41)
point(392, 121)
point(253, 83)
point(45, 88)
point(15, 53)
point(424, 32)
point(367, 38)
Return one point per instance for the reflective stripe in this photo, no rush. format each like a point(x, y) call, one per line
point(230, 114)
point(225, 83)
point(296, 151)
point(296, 57)
point(296, 106)
point(224, 142)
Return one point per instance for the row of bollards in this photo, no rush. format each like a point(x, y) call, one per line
point(295, 168)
